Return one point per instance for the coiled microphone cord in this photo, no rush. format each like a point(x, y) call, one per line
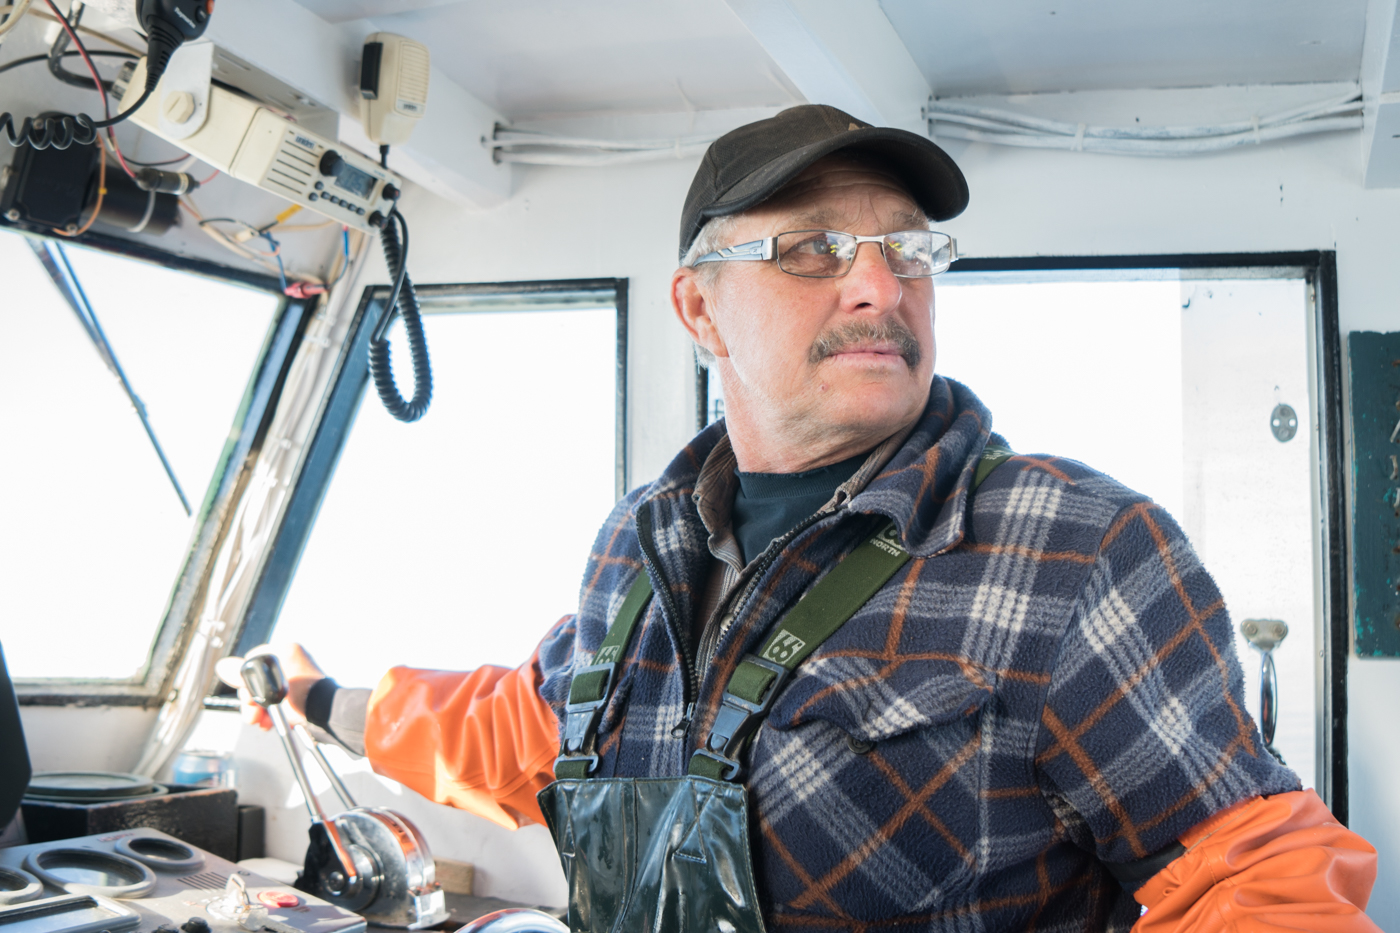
point(404, 301)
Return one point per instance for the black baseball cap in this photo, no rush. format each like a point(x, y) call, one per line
point(748, 165)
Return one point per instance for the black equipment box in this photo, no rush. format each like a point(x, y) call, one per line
point(206, 817)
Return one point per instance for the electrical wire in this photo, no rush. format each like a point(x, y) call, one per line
point(159, 164)
point(15, 11)
point(60, 43)
point(102, 88)
point(31, 59)
point(63, 131)
point(949, 119)
point(111, 40)
point(101, 192)
point(531, 147)
point(301, 286)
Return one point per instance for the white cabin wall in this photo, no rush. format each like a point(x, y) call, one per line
point(93, 738)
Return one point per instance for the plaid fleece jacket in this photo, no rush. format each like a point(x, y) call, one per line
point(1049, 684)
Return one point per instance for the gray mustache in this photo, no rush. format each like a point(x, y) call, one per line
point(835, 341)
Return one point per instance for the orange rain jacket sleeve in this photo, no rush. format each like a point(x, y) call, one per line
point(1264, 865)
point(482, 741)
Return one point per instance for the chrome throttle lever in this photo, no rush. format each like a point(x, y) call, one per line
point(263, 677)
point(314, 748)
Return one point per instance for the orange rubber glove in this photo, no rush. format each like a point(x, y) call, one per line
point(1267, 864)
point(482, 741)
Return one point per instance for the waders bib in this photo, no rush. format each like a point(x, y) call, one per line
point(672, 855)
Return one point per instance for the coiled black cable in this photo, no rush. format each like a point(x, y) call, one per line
point(62, 131)
point(404, 301)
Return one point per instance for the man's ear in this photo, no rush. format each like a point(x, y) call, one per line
point(691, 302)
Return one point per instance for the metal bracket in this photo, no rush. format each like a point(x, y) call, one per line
point(182, 98)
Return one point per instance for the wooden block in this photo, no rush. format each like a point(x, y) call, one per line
point(455, 877)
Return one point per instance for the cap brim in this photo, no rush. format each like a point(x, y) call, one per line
point(932, 178)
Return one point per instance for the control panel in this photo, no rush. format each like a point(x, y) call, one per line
point(144, 881)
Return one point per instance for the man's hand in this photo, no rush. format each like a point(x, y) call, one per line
point(301, 672)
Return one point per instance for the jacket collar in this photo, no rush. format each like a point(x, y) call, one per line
point(924, 487)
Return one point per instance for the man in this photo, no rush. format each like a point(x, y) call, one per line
point(847, 663)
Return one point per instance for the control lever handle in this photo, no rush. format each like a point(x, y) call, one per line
point(314, 747)
point(268, 686)
point(265, 681)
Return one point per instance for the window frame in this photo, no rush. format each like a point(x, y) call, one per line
point(148, 686)
point(347, 392)
point(1318, 269)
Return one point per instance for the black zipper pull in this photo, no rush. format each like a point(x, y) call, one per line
point(682, 727)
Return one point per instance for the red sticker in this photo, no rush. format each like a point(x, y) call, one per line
point(279, 899)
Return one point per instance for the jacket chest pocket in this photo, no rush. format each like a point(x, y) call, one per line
point(867, 779)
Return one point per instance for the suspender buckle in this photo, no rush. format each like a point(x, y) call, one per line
point(728, 767)
point(581, 716)
point(737, 717)
point(574, 767)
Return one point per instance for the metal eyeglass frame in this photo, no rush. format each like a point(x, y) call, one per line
point(767, 248)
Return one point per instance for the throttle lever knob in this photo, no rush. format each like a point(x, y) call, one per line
point(265, 680)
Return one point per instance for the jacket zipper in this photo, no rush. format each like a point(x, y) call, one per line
point(691, 685)
point(709, 644)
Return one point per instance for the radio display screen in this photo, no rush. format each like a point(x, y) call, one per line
point(351, 179)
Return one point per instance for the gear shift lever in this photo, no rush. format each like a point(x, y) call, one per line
point(268, 685)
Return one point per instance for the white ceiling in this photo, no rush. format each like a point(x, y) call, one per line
point(538, 58)
point(534, 58)
point(1029, 46)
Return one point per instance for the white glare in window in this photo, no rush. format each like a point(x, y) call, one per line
point(460, 539)
point(94, 533)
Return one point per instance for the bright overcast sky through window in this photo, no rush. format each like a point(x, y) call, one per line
point(94, 533)
point(1086, 370)
point(458, 540)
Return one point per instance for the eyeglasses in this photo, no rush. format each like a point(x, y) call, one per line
point(826, 254)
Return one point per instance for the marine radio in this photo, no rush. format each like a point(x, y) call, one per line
point(251, 142)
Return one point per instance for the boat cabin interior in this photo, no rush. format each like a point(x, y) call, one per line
point(346, 323)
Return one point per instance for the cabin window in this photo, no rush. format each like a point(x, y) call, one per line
point(457, 540)
point(95, 536)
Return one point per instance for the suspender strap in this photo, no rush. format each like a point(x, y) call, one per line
point(759, 678)
point(837, 597)
point(993, 456)
point(591, 686)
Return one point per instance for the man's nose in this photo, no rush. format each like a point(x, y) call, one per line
point(870, 285)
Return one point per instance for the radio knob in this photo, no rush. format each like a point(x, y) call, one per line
point(331, 162)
